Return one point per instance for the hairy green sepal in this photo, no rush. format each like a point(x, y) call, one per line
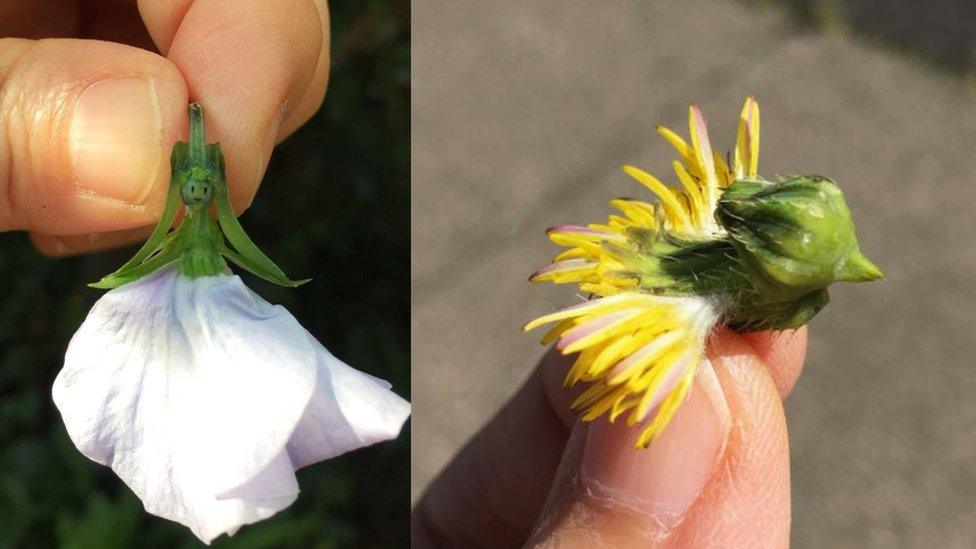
point(201, 242)
point(785, 243)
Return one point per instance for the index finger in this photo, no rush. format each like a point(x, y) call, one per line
point(259, 68)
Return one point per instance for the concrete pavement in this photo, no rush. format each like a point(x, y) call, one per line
point(523, 113)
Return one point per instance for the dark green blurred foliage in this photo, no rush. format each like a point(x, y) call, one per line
point(334, 206)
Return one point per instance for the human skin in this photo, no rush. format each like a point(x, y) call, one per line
point(717, 477)
point(94, 94)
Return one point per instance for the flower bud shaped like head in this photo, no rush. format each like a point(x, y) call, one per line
point(197, 190)
point(797, 232)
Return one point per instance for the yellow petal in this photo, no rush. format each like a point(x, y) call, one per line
point(747, 141)
point(678, 143)
point(593, 307)
point(694, 192)
point(703, 154)
point(553, 334)
point(672, 208)
point(667, 410)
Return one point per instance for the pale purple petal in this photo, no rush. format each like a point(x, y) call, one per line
point(188, 389)
point(349, 409)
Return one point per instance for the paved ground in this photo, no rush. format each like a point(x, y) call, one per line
point(522, 115)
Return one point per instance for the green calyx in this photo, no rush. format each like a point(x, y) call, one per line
point(202, 241)
point(786, 242)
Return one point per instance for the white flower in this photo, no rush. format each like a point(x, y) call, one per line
point(205, 399)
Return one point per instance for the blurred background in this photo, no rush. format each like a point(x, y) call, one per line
point(523, 114)
point(333, 206)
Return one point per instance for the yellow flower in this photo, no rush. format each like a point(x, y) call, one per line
point(640, 346)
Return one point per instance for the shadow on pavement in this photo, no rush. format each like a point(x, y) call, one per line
point(940, 31)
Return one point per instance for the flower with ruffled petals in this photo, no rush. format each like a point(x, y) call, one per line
point(201, 396)
point(205, 399)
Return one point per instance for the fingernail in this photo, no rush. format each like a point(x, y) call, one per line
point(52, 245)
point(116, 138)
point(665, 479)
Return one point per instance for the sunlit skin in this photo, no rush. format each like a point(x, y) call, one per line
point(261, 73)
point(495, 489)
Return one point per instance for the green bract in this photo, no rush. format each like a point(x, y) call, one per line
point(785, 243)
point(200, 242)
point(792, 238)
point(798, 232)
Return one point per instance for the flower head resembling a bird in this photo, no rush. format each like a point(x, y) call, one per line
point(726, 248)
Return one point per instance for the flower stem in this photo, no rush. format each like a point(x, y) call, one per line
point(198, 144)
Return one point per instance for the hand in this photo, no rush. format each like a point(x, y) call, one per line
point(86, 126)
point(717, 477)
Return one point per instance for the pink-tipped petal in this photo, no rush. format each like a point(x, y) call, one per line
point(592, 327)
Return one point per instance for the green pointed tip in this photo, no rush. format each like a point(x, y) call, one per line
point(858, 268)
point(197, 144)
point(284, 282)
point(288, 283)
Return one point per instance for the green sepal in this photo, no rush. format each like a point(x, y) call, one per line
point(247, 255)
point(703, 267)
point(785, 243)
point(158, 238)
point(666, 264)
point(149, 266)
point(754, 315)
point(238, 260)
point(198, 178)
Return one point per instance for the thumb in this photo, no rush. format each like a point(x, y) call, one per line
point(718, 476)
point(85, 132)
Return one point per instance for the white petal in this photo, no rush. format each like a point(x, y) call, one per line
point(188, 389)
point(349, 409)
